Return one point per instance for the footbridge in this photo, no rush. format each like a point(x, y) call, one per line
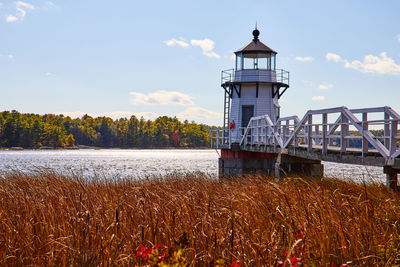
point(367, 136)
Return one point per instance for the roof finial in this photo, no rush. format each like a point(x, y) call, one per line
point(256, 33)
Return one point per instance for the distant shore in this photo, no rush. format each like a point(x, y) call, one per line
point(99, 148)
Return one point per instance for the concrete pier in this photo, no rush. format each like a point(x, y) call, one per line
point(242, 162)
point(279, 165)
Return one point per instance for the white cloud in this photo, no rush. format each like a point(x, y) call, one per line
point(318, 98)
point(1, 4)
point(333, 57)
point(25, 5)
point(10, 56)
point(162, 98)
point(381, 64)
point(48, 74)
point(325, 86)
point(11, 18)
point(194, 113)
point(21, 13)
point(174, 42)
point(304, 59)
point(207, 46)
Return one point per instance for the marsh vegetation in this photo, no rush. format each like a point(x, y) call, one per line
point(51, 219)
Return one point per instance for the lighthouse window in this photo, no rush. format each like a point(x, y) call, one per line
point(273, 62)
point(249, 63)
point(239, 61)
point(263, 63)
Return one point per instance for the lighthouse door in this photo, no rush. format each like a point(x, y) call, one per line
point(247, 113)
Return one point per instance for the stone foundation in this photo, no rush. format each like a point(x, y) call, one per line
point(243, 162)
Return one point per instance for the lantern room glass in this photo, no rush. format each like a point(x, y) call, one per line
point(239, 61)
point(262, 61)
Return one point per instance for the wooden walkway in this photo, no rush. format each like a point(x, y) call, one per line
point(322, 135)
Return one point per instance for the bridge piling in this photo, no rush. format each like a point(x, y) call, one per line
point(391, 178)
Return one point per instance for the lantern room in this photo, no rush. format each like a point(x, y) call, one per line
point(255, 55)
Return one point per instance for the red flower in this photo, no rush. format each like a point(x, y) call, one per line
point(235, 264)
point(295, 261)
point(143, 252)
point(300, 235)
point(146, 252)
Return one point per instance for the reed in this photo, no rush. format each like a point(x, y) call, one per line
point(52, 219)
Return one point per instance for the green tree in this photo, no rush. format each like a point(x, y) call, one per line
point(54, 135)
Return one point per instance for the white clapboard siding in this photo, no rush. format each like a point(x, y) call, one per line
point(265, 102)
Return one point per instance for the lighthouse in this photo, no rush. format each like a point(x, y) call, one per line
point(252, 92)
point(253, 88)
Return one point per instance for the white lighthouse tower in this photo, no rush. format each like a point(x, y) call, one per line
point(253, 88)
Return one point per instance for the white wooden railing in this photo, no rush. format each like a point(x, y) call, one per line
point(326, 129)
point(220, 138)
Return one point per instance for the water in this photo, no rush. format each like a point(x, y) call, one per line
point(127, 163)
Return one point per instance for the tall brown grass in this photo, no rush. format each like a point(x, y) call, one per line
point(51, 219)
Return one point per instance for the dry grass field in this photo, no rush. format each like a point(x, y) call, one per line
point(48, 219)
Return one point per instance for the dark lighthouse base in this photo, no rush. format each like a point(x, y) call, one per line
point(244, 162)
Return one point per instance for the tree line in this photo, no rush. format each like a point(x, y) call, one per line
point(34, 131)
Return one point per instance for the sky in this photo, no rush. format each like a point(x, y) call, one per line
point(151, 58)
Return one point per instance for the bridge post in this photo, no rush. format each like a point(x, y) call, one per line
point(344, 132)
point(386, 130)
point(324, 133)
point(309, 133)
point(393, 135)
point(364, 143)
point(391, 177)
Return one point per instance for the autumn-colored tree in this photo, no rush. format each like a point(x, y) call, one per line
point(32, 130)
point(70, 140)
point(176, 138)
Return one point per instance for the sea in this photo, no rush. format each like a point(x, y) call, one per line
point(147, 163)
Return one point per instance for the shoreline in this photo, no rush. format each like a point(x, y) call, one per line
point(102, 148)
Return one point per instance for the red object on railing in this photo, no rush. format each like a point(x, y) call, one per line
point(232, 125)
